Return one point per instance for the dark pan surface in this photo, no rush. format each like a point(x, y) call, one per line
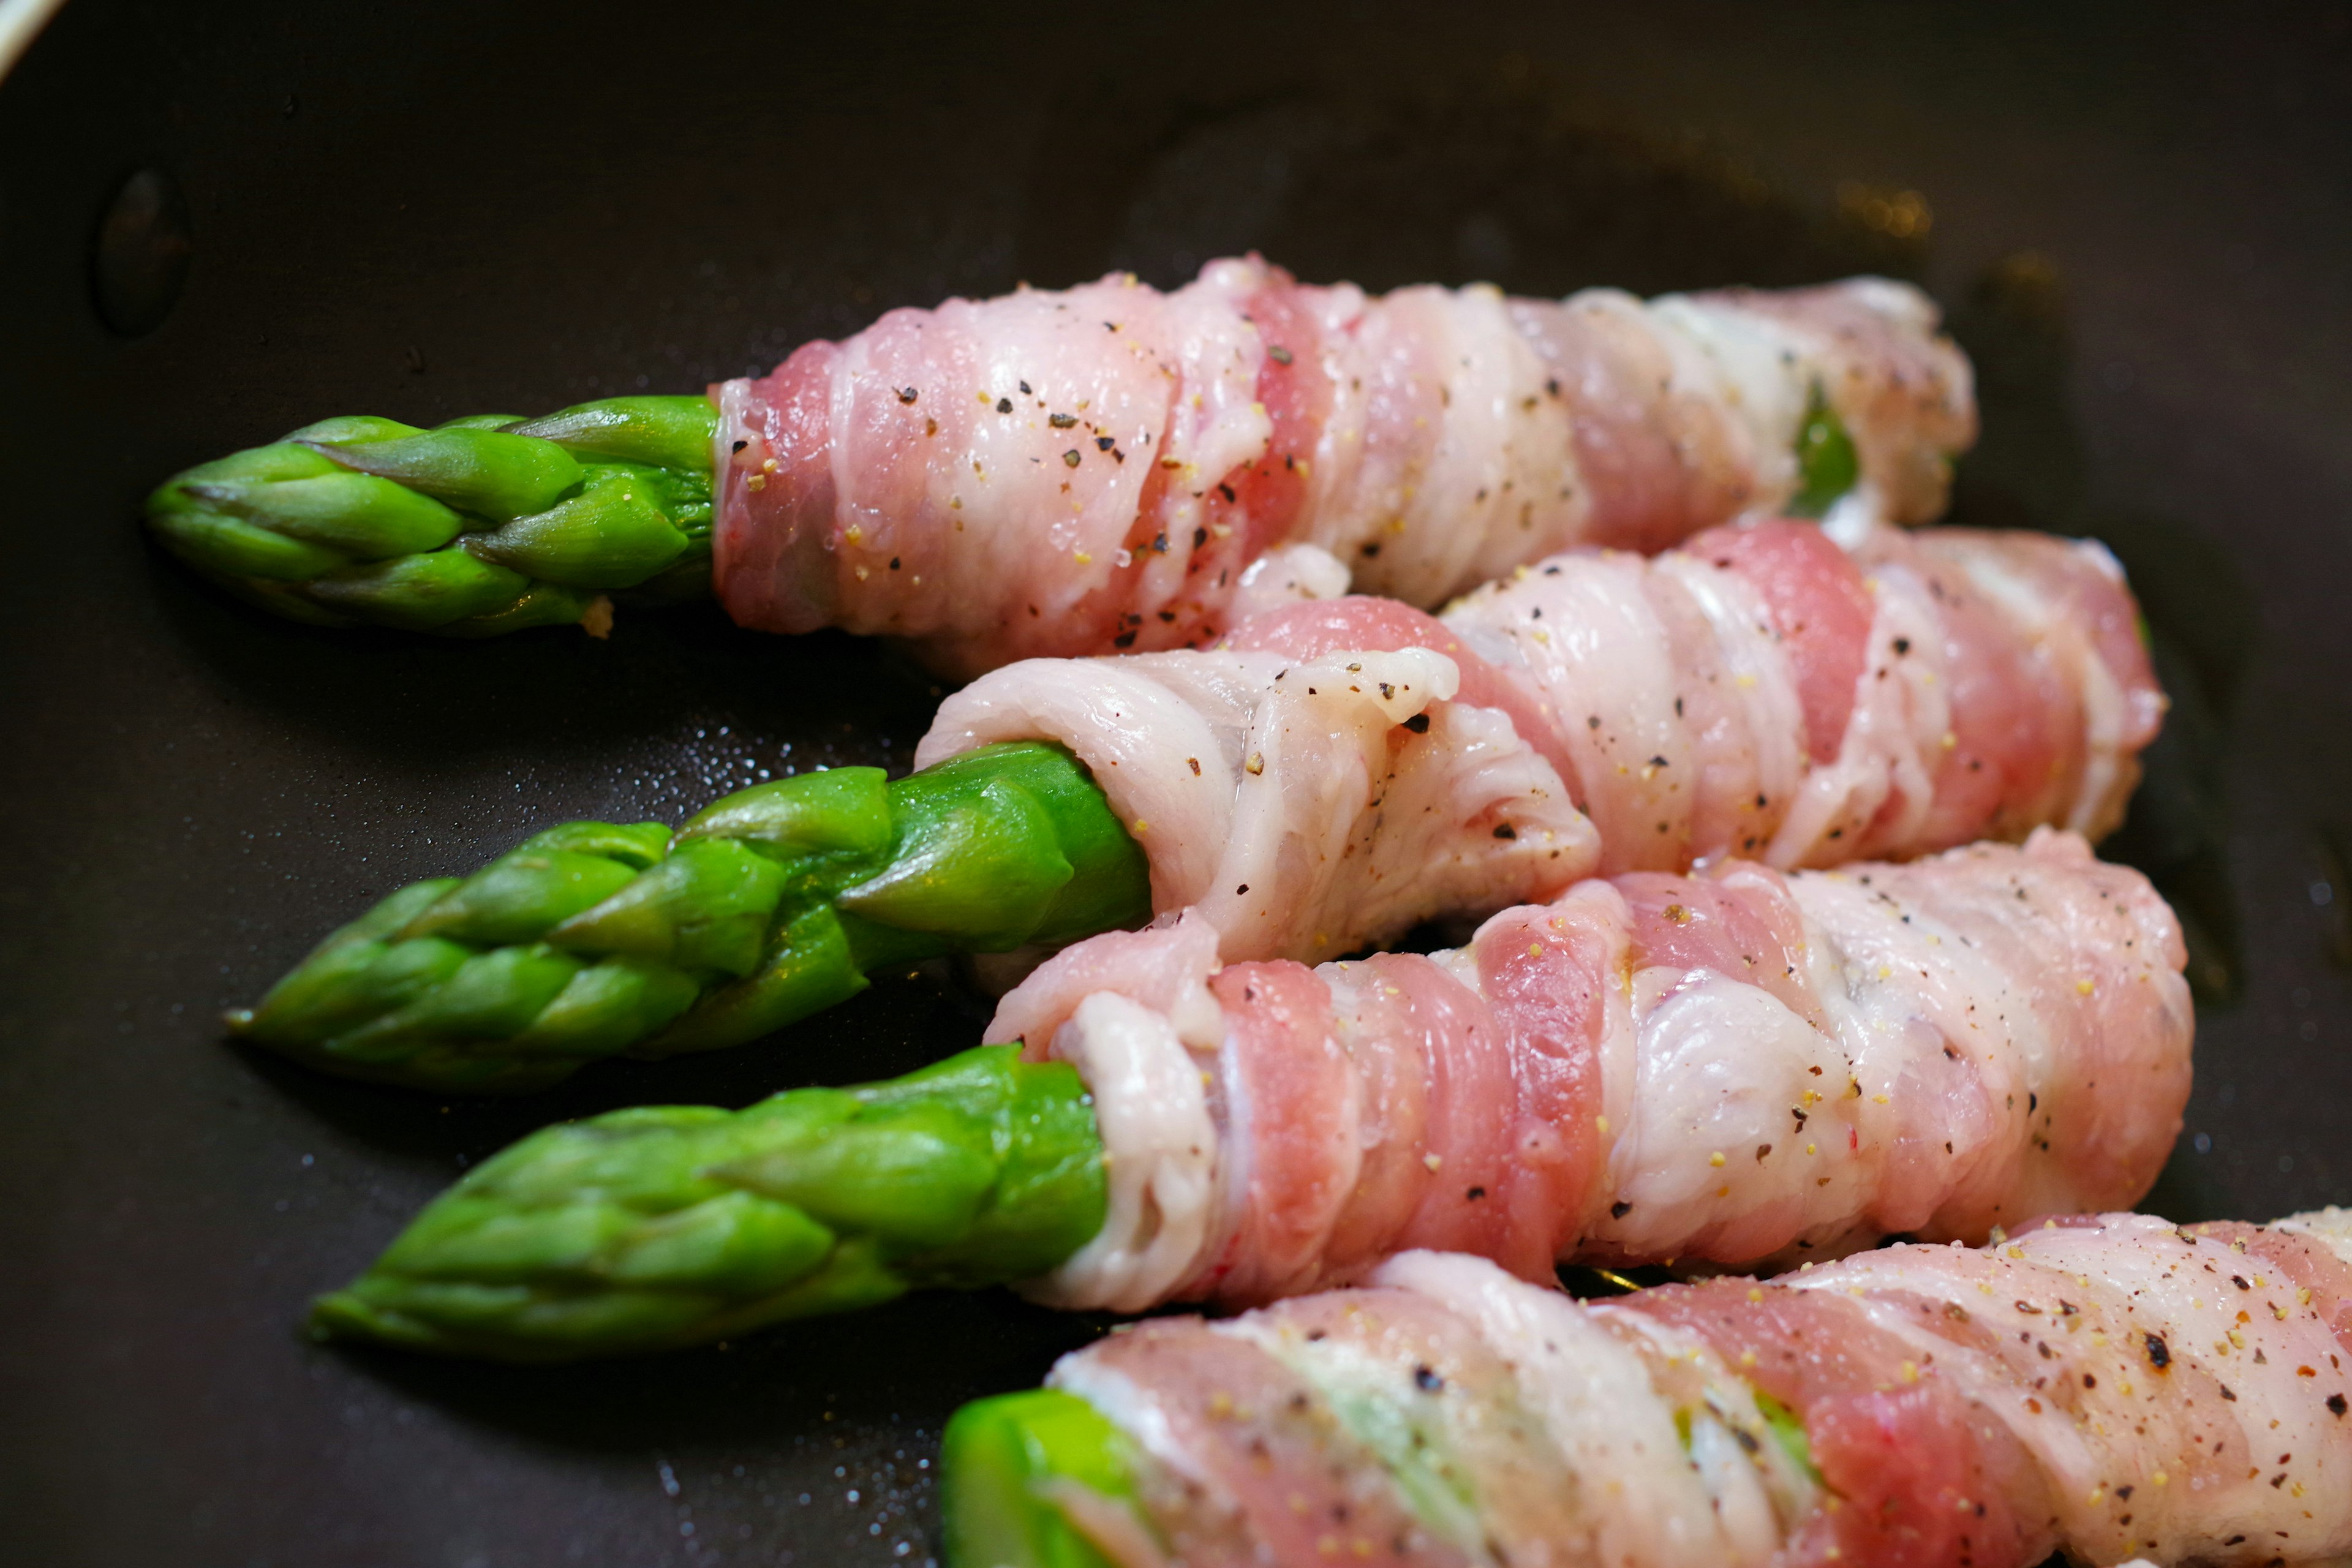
point(439, 208)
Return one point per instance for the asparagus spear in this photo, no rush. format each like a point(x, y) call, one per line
point(596, 938)
point(661, 1226)
point(1006, 1461)
point(484, 525)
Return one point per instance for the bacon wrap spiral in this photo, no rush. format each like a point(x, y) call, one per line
point(1057, 473)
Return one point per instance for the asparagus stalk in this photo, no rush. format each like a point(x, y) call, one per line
point(1007, 1464)
point(484, 525)
point(662, 1227)
point(595, 938)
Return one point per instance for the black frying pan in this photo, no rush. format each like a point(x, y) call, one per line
point(218, 222)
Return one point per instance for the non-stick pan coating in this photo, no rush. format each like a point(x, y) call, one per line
point(2137, 215)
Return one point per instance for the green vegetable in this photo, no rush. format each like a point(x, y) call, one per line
point(596, 938)
point(1003, 1462)
point(485, 525)
point(1787, 1429)
point(1827, 466)
point(662, 1227)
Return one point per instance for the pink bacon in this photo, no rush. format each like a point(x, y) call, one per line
point(1762, 693)
point(1066, 473)
point(2111, 1387)
point(1723, 1068)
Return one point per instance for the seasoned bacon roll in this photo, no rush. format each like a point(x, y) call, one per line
point(1729, 1067)
point(2112, 1387)
point(1331, 774)
point(1107, 467)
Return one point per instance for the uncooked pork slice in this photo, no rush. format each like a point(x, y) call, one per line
point(1110, 467)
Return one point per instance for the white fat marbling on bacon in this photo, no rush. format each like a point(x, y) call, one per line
point(1444, 461)
point(1729, 1067)
point(2054, 980)
point(1160, 1156)
point(2114, 1388)
point(1644, 1503)
point(1595, 647)
point(1067, 472)
point(1285, 798)
point(2059, 1334)
point(1764, 694)
point(1876, 794)
point(1286, 576)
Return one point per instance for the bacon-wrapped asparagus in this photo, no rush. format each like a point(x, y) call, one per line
point(1327, 778)
point(2113, 1387)
point(1725, 1069)
point(1066, 473)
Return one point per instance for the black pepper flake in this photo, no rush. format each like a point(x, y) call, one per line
point(1226, 491)
point(894, 564)
point(2159, 1355)
point(1071, 456)
point(740, 444)
point(2336, 1406)
point(1061, 421)
point(1025, 389)
point(1124, 640)
point(1418, 723)
point(1427, 1381)
point(1474, 1194)
point(1004, 405)
point(1902, 646)
point(1552, 386)
point(1505, 830)
point(1199, 537)
point(1240, 890)
point(1373, 549)
point(1278, 355)
point(1103, 443)
point(906, 394)
point(1619, 1209)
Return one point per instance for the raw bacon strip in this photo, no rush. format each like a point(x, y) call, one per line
point(2113, 1388)
point(1763, 692)
point(1064, 473)
point(1729, 1067)
point(1335, 772)
point(1305, 801)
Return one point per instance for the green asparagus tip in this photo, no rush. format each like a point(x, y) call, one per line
point(1827, 464)
point(485, 525)
point(1018, 1470)
point(663, 1227)
point(596, 938)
